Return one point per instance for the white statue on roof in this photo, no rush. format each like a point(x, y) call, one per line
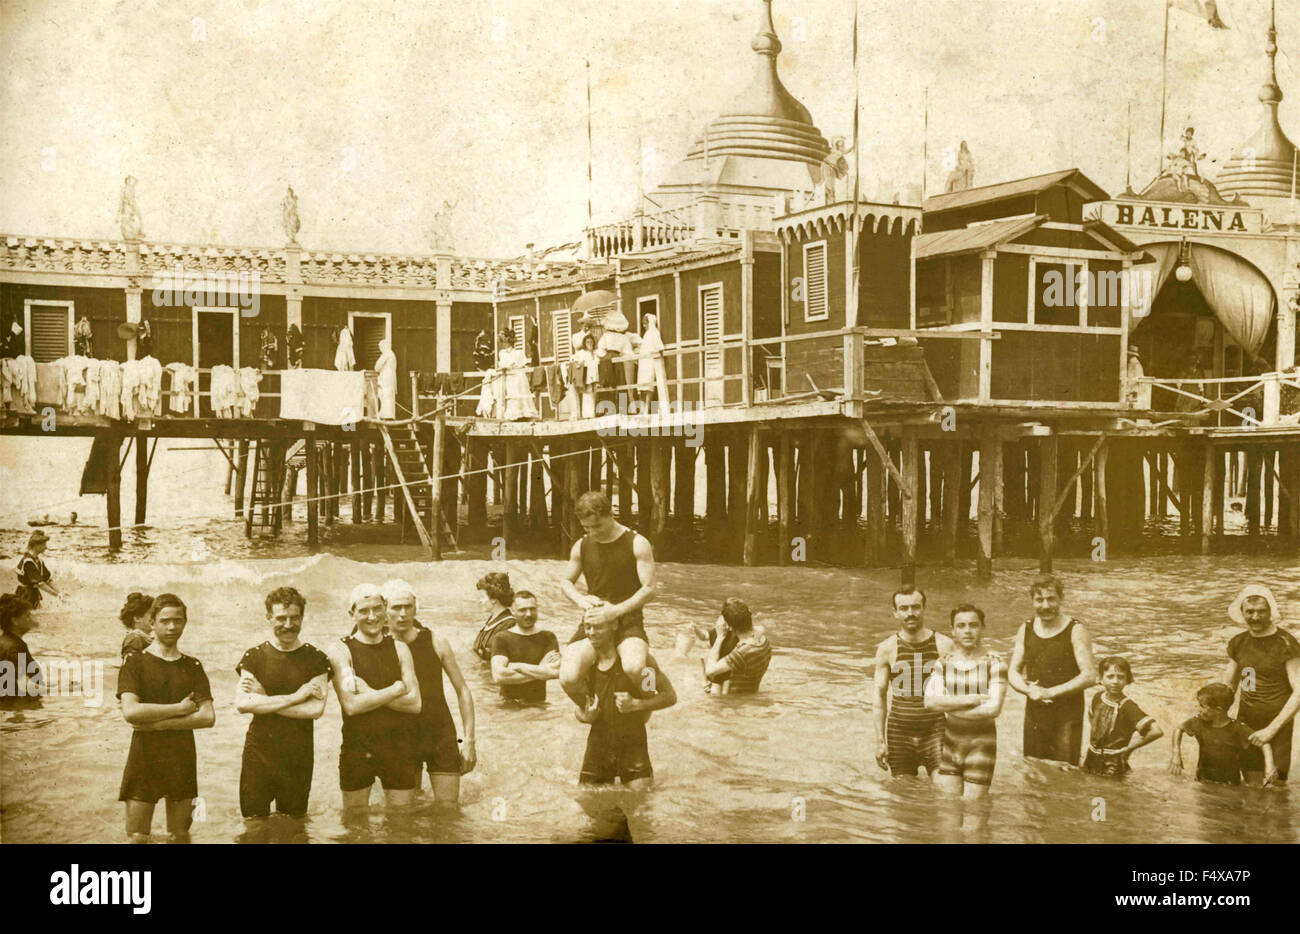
point(128, 211)
point(962, 175)
point(834, 167)
point(289, 215)
point(440, 231)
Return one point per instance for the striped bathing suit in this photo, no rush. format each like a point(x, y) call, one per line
point(970, 745)
point(912, 733)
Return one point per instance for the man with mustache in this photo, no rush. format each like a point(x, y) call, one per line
point(282, 683)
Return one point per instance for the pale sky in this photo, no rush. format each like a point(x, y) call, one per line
point(376, 111)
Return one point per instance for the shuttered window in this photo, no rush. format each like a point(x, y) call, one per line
point(562, 331)
point(367, 332)
point(49, 331)
point(517, 325)
point(814, 270)
point(711, 310)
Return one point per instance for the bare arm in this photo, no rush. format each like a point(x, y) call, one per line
point(1283, 718)
point(251, 697)
point(935, 697)
point(409, 700)
point(201, 719)
point(665, 695)
point(884, 666)
point(569, 579)
point(345, 686)
point(464, 699)
point(1087, 675)
point(314, 705)
point(501, 673)
point(1176, 753)
point(545, 670)
point(139, 714)
point(992, 705)
point(715, 666)
point(1148, 732)
point(1016, 670)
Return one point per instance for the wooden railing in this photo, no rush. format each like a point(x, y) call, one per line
point(1245, 401)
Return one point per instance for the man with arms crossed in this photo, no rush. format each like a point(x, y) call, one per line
point(907, 735)
point(617, 707)
point(282, 683)
point(1264, 660)
point(1052, 666)
point(374, 678)
point(524, 657)
point(619, 567)
point(166, 697)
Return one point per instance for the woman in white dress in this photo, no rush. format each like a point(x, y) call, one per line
point(386, 370)
point(518, 394)
point(344, 358)
point(651, 375)
point(586, 375)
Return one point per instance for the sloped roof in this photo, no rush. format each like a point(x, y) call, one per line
point(1015, 189)
point(975, 237)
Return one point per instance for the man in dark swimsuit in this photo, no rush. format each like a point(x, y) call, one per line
point(524, 657)
point(282, 683)
point(166, 697)
point(374, 678)
point(1264, 660)
point(435, 743)
point(619, 568)
point(1052, 666)
point(908, 736)
point(617, 708)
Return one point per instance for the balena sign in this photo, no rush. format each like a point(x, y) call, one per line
point(1180, 217)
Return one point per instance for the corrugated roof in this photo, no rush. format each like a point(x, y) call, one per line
point(1013, 189)
point(975, 237)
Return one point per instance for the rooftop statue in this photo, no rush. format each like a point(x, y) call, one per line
point(962, 175)
point(440, 232)
point(834, 167)
point(128, 212)
point(289, 215)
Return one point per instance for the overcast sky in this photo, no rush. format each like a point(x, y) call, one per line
point(377, 111)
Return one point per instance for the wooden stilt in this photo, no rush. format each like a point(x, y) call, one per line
point(142, 459)
point(683, 485)
point(626, 462)
point(999, 499)
point(538, 519)
point(113, 494)
point(644, 491)
point(989, 450)
point(660, 463)
point(573, 489)
point(784, 496)
point(951, 460)
point(511, 490)
point(754, 464)
point(1220, 474)
point(241, 478)
point(313, 484)
point(910, 468)
point(876, 483)
point(354, 454)
point(1209, 479)
point(1253, 464)
point(1267, 487)
point(381, 481)
point(435, 486)
point(1182, 483)
point(1101, 514)
point(1047, 492)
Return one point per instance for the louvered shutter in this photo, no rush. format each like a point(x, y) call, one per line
point(711, 300)
point(50, 333)
point(562, 331)
point(814, 258)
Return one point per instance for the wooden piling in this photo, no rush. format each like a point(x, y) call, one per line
point(1047, 492)
point(910, 468)
point(476, 483)
point(950, 465)
point(241, 478)
point(1213, 461)
point(754, 463)
point(141, 477)
point(875, 483)
point(660, 464)
point(625, 460)
point(435, 486)
point(113, 494)
point(643, 482)
point(511, 484)
point(989, 450)
point(313, 495)
point(1253, 465)
point(784, 496)
point(1101, 514)
point(354, 454)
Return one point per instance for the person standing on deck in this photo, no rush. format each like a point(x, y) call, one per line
point(1052, 666)
point(618, 565)
point(165, 697)
point(33, 575)
point(282, 683)
point(374, 678)
point(435, 743)
point(1264, 661)
point(907, 735)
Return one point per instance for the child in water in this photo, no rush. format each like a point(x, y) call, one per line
point(137, 617)
point(1222, 740)
point(1116, 725)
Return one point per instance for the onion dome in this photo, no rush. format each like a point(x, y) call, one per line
point(765, 120)
point(1264, 164)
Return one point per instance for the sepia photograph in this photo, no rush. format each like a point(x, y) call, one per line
point(649, 421)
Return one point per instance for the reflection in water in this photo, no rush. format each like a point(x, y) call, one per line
point(794, 763)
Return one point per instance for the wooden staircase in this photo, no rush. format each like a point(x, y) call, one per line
point(411, 468)
point(264, 512)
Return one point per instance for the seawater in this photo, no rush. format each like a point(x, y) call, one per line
point(794, 763)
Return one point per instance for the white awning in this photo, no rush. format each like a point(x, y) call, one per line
point(1240, 296)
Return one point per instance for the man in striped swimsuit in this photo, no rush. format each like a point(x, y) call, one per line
point(907, 735)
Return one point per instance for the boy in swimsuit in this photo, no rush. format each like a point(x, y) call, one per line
point(374, 678)
point(908, 736)
point(1052, 666)
point(1223, 741)
point(968, 685)
point(619, 567)
point(165, 697)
